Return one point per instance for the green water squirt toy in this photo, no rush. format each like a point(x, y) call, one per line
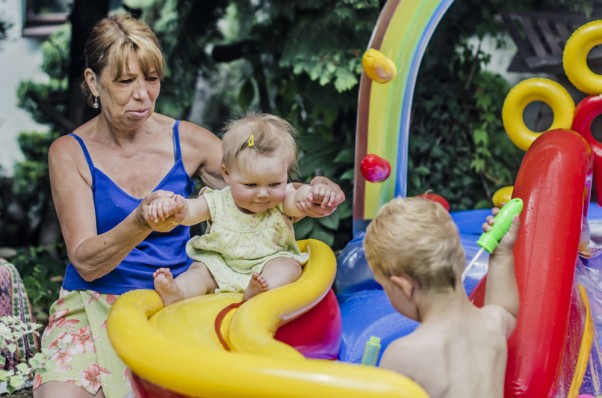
point(371, 351)
point(503, 220)
point(489, 240)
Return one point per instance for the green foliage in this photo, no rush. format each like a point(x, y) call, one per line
point(31, 189)
point(30, 181)
point(55, 54)
point(336, 61)
point(55, 64)
point(184, 29)
point(31, 175)
point(42, 272)
point(4, 27)
point(12, 329)
point(458, 146)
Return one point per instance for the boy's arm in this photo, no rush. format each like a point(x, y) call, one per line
point(501, 288)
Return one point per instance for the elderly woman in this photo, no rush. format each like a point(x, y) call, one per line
point(102, 177)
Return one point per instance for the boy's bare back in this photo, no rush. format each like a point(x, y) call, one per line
point(459, 350)
point(460, 354)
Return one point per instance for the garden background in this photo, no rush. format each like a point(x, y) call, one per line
point(298, 59)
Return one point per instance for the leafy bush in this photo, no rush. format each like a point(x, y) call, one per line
point(12, 329)
point(42, 275)
point(458, 146)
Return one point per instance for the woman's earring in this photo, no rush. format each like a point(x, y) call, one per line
point(95, 105)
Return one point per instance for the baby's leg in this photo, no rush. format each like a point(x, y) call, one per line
point(257, 284)
point(277, 272)
point(196, 281)
point(166, 286)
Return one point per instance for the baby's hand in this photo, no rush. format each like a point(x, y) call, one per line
point(181, 208)
point(161, 210)
point(164, 207)
point(321, 194)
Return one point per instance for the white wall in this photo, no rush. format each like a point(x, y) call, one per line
point(20, 59)
point(501, 58)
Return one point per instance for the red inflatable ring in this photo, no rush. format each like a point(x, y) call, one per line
point(585, 113)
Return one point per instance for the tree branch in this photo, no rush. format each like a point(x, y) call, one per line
point(56, 117)
point(233, 52)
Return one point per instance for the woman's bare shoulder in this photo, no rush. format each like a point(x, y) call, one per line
point(200, 141)
point(194, 132)
point(64, 145)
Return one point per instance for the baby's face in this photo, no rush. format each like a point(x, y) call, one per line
point(260, 187)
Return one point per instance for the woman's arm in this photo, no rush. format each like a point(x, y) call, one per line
point(202, 154)
point(92, 255)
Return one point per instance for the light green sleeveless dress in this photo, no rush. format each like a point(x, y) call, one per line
point(237, 244)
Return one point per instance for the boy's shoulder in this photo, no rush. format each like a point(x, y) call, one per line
point(500, 318)
point(408, 355)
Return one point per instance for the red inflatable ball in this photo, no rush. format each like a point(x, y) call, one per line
point(374, 168)
point(436, 198)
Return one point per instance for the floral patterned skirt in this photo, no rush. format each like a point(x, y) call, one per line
point(78, 347)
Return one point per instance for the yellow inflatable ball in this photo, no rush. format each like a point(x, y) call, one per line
point(502, 196)
point(378, 66)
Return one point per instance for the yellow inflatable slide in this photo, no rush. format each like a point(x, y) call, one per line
point(177, 351)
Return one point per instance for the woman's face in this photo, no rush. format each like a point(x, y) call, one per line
point(129, 101)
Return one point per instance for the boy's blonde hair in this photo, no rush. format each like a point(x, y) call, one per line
point(259, 134)
point(416, 237)
point(112, 41)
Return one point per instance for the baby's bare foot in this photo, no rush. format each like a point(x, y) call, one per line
point(257, 285)
point(167, 288)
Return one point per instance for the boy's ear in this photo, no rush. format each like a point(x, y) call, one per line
point(404, 283)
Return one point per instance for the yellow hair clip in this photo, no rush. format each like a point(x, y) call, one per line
point(251, 140)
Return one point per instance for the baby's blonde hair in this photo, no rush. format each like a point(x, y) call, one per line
point(416, 237)
point(258, 134)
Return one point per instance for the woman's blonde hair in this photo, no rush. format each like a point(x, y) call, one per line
point(259, 134)
point(418, 238)
point(112, 41)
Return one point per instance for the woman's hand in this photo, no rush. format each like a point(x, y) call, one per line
point(325, 205)
point(161, 210)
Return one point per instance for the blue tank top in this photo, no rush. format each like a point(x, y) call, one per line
point(112, 205)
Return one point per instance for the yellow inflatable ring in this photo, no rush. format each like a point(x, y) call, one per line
point(502, 196)
point(531, 90)
point(574, 58)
